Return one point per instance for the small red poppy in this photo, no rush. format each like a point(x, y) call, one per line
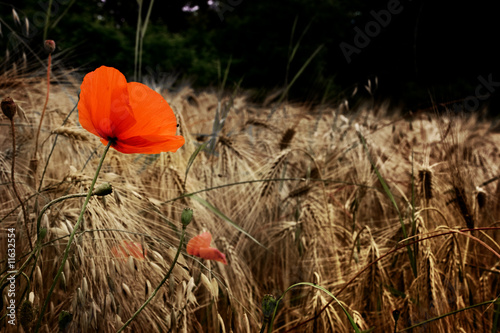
point(200, 246)
point(135, 118)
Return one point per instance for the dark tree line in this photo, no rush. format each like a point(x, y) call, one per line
point(417, 49)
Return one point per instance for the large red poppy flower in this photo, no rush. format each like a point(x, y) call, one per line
point(135, 118)
point(200, 246)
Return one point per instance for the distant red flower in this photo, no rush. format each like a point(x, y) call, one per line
point(128, 248)
point(200, 246)
point(133, 117)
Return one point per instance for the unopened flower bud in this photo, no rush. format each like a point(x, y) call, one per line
point(186, 216)
point(103, 189)
point(268, 305)
point(9, 107)
point(49, 45)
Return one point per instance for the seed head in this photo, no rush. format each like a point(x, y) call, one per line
point(9, 107)
point(26, 314)
point(480, 197)
point(186, 216)
point(49, 45)
point(103, 189)
point(426, 183)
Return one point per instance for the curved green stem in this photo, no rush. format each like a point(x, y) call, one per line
point(25, 213)
point(47, 206)
point(161, 283)
point(71, 237)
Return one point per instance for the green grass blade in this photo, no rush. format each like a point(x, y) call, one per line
point(297, 45)
point(349, 317)
point(224, 79)
point(54, 24)
point(193, 157)
point(297, 75)
point(496, 315)
point(47, 20)
point(388, 192)
point(383, 183)
point(137, 35)
point(146, 20)
point(225, 218)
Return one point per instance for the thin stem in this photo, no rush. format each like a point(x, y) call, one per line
point(141, 41)
point(47, 206)
point(137, 36)
point(447, 314)
point(161, 283)
point(326, 181)
point(71, 237)
point(14, 187)
point(47, 18)
point(30, 197)
point(35, 158)
point(54, 146)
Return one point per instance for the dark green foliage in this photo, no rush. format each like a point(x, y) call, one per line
point(413, 56)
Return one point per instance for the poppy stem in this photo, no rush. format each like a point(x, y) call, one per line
point(14, 187)
point(161, 283)
point(71, 237)
point(34, 163)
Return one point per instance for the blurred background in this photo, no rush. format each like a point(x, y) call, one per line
point(422, 53)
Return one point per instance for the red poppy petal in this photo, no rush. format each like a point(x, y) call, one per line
point(201, 241)
point(213, 254)
point(149, 144)
point(153, 114)
point(104, 107)
point(118, 251)
point(128, 248)
point(134, 249)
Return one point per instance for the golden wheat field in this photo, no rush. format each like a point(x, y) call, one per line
point(291, 194)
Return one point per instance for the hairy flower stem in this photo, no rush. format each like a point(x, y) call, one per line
point(71, 237)
point(161, 283)
point(34, 160)
point(14, 187)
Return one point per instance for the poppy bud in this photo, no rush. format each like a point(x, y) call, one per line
point(268, 304)
point(49, 45)
point(186, 216)
point(9, 107)
point(103, 189)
